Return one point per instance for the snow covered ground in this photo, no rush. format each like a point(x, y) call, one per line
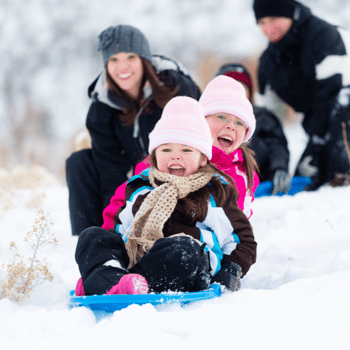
point(296, 296)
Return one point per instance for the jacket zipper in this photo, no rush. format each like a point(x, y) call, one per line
point(137, 133)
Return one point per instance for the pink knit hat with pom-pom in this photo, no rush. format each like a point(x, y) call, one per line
point(183, 122)
point(226, 95)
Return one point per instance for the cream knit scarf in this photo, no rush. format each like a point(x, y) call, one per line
point(149, 221)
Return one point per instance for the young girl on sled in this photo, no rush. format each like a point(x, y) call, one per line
point(180, 228)
point(222, 97)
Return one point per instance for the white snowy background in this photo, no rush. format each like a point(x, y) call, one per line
point(48, 58)
point(296, 296)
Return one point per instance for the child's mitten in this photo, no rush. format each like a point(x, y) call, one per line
point(229, 276)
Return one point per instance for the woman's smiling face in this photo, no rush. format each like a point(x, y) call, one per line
point(126, 70)
point(227, 130)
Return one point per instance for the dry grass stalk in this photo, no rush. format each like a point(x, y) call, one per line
point(342, 179)
point(22, 177)
point(32, 177)
point(347, 148)
point(7, 193)
point(36, 200)
point(24, 274)
point(82, 140)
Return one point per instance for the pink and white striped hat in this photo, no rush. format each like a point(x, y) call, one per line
point(226, 95)
point(183, 122)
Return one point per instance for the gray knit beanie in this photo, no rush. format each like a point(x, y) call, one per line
point(123, 38)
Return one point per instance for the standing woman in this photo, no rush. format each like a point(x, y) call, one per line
point(127, 101)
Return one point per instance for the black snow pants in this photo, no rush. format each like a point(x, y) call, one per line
point(324, 157)
point(86, 203)
point(175, 263)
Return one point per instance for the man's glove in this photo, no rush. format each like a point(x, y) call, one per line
point(281, 182)
point(229, 276)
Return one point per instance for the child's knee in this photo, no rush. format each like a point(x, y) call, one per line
point(89, 233)
point(88, 236)
point(181, 241)
point(102, 279)
point(180, 251)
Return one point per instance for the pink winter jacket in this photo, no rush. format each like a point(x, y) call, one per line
point(231, 164)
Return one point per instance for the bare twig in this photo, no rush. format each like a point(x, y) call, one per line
point(330, 225)
point(347, 148)
point(342, 179)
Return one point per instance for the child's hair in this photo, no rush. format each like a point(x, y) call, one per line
point(250, 164)
point(195, 210)
point(161, 93)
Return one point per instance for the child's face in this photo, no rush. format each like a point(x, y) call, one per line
point(178, 159)
point(227, 130)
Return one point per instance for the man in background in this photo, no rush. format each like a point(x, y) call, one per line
point(307, 65)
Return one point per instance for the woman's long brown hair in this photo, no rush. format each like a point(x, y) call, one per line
point(161, 92)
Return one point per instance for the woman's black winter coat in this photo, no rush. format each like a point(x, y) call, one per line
point(117, 148)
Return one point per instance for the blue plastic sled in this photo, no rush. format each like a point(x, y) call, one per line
point(102, 305)
point(298, 184)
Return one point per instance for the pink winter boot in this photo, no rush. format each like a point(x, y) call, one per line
point(79, 289)
point(131, 283)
